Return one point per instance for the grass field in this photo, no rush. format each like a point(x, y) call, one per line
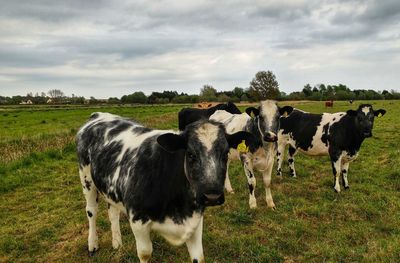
point(43, 217)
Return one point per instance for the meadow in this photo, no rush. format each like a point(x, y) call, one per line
point(43, 218)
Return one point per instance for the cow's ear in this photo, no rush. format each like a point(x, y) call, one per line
point(252, 112)
point(245, 139)
point(171, 142)
point(352, 113)
point(209, 105)
point(285, 110)
point(379, 113)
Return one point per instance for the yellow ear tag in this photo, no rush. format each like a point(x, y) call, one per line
point(379, 114)
point(285, 114)
point(242, 148)
point(252, 114)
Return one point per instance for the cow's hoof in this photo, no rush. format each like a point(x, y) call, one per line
point(231, 192)
point(337, 190)
point(346, 187)
point(93, 252)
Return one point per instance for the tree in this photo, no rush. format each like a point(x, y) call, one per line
point(136, 97)
point(264, 86)
point(56, 94)
point(307, 90)
point(238, 92)
point(208, 93)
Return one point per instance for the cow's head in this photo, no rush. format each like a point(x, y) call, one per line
point(364, 118)
point(268, 114)
point(206, 145)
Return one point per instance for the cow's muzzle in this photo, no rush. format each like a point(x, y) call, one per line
point(213, 198)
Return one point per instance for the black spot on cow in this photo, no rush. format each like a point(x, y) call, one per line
point(302, 127)
point(325, 134)
point(118, 128)
point(251, 188)
point(251, 175)
point(87, 184)
point(291, 172)
point(278, 154)
point(140, 130)
point(89, 213)
point(195, 261)
point(290, 160)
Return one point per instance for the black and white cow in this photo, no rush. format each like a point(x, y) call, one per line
point(338, 135)
point(189, 115)
point(160, 179)
point(263, 123)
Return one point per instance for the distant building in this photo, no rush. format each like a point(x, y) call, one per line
point(49, 101)
point(26, 102)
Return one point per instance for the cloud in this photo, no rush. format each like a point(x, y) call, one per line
point(115, 47)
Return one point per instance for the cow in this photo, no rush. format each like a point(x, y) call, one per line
point(162, 180)
point(263, 123)
point(189, 115)
point(204, 105)
point(329, 103)
point(338, 135)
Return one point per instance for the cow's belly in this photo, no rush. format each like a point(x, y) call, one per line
point(175, 233)
point(316, 150)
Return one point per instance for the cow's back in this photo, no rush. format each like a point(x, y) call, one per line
point(309, 132)
point(232, 122)
point(108, 144)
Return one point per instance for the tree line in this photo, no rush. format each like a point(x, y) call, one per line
point(263, 86)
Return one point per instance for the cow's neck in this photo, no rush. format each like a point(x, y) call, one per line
point(353, 135)
point(166, 193)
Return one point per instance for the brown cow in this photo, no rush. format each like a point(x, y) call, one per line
point(329, 103)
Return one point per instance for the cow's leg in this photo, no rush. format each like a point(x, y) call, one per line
point(292, 153)
point(113, 214)
point(144, 246)
point(267, 180)
point(251, 179)
point(228, 185)
point(345, 170)
point(91, 196)
point(279, 156)
point(195, 245)
point(336, 160)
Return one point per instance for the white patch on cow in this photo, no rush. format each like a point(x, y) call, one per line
point(116, 175)
point(268, 112)
point(130, 140)
point(232, 122)
point(366, 110)
point(207, 134)
point(318, 146)
point(211, 168)
point(177, 234)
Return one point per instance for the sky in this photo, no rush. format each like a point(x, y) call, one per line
point(110, 48)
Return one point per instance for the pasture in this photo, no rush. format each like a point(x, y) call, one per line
point(43, 216)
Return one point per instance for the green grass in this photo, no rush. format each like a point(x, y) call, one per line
point(43, 217)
